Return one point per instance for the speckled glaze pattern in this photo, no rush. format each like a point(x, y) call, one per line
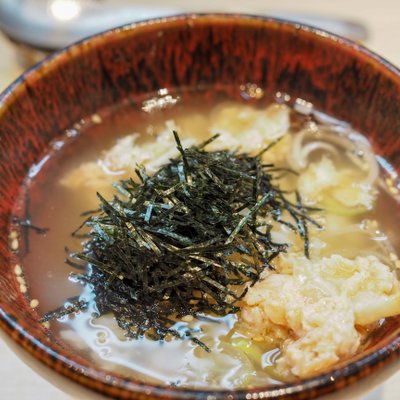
point(217, 51)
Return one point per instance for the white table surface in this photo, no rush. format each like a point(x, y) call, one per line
point(381, 17)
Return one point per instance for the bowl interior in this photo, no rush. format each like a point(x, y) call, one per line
point(216, 54)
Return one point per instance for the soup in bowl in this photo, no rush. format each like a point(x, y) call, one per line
point(204, 206)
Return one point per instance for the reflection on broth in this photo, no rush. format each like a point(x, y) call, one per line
point(302, 315)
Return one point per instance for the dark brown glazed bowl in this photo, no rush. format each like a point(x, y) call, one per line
point(220, 53)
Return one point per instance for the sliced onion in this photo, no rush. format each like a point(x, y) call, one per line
point(329, 120)
point(342, 141)
point(303, 107)
point(324, 137)
point(373, 167)
point(295, 160)
point(313, 146)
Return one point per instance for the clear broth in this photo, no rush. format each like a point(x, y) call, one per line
point(51, 205)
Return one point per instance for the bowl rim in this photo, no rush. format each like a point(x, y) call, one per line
point(99, 380)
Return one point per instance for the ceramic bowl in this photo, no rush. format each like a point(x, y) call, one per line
point(221, 54)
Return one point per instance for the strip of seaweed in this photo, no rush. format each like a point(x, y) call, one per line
point(186, 240)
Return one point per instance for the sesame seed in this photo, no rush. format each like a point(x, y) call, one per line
point(21, 280)
point(18, 270)
point(14, 244)
point(101, 337)
point(23, 288)
point(46, 324)
point(13, 235)
point(187, 318)
point(96, 119)
point(34, 303)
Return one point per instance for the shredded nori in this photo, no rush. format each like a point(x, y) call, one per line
point(27, 223)
point(185, 240)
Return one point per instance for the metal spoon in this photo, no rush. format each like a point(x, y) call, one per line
point(39, 27)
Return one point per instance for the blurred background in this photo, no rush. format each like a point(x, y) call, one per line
point(31, 29)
